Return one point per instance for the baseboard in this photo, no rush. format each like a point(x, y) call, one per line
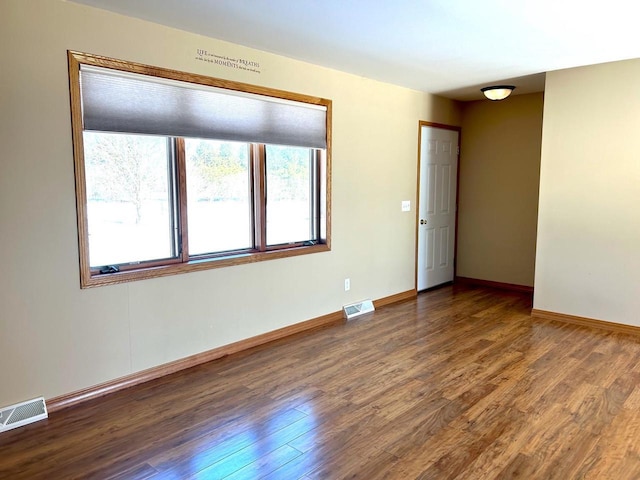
point(137, 378)
point(397, 298)
point(112, 386)
point(489, 283)
point(586, 322)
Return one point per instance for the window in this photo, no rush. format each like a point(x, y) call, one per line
point(218, 194)
point(178, 172)
point(130, 207)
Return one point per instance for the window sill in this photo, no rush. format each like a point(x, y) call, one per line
point(90, 280)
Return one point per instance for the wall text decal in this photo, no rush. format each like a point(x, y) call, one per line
point(228, 62)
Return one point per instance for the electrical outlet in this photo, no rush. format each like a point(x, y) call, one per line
point(347, 284)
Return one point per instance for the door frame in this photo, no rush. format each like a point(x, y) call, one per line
point(423, 123)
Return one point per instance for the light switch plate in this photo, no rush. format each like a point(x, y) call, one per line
point(406, 205)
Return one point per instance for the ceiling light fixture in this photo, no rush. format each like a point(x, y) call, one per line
point(497, 92)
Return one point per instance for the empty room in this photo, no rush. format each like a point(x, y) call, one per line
point(319, 240)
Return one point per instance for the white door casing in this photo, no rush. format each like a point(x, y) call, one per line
point(437, 206)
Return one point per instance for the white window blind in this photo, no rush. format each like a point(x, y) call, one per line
point(114, 101)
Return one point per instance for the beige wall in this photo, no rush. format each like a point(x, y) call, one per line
point(56, 338)
point(588, 260)
point(498, 197)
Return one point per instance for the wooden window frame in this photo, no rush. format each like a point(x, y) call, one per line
point(184, 263)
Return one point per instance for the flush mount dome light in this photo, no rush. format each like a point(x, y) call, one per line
point(497, 92)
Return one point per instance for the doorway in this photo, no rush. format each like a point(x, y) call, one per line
point(437, 204)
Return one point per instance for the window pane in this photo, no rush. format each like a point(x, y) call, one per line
point(289, 197)
point(218, 196)
point(129, 205)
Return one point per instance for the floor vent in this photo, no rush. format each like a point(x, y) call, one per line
point(22, 414)
point(357, 309)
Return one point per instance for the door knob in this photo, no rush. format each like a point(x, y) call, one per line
point(423, 221)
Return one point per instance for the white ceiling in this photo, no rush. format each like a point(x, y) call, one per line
point(446, 47)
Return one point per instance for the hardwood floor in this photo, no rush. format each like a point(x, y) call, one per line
point(458, 384)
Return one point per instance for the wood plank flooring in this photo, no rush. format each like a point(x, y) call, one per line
point(457, 384)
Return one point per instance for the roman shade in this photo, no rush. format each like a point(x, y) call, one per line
point(115, 101)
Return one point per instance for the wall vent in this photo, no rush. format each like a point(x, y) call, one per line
point(356, 309)
point(22, 414)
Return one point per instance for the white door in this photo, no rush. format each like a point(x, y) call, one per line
point(437, 206)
